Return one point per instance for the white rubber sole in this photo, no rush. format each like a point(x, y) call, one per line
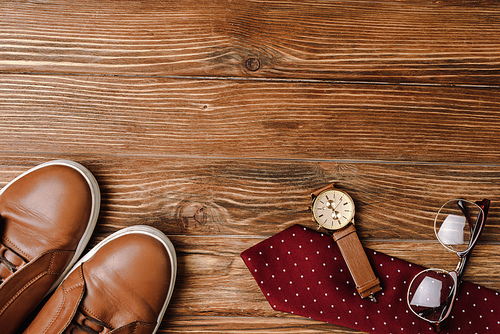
point(94, 213)
point(151, 231)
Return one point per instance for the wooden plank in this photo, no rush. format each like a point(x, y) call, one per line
point(194, 196)
point(214, 284)
point(216, 292)
point(422, 41)
point(205, 324)
point(242, 203)
point(213, 121)
point(213, 276)
point(231, 118)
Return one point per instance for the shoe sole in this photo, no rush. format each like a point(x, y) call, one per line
point(96, 201)
point(151, 231)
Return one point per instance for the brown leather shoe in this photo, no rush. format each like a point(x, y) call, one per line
point(47, 216)
point(123, 285)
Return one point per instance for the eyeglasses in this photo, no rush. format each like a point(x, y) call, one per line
point(432, 292)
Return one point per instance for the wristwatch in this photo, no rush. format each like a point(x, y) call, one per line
point(333, 210)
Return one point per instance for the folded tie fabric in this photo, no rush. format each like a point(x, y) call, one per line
point(301, 271)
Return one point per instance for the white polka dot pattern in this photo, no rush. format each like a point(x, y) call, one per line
point(301, 271)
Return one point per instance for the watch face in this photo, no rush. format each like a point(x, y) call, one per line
point(333, 209)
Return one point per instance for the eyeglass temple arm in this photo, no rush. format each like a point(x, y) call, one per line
point(485, 205)
point(466, 214)
point(475, 233)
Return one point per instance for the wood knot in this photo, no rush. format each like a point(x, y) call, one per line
point(192, 215)
point(252, 64)
point(200, 217)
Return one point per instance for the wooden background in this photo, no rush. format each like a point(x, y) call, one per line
point(213, 120)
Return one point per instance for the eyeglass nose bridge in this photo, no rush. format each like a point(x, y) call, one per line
point(459, 270)
point(437, 327)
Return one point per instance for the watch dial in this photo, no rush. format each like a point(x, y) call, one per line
point(333, 209)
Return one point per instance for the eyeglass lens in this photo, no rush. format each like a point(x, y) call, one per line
point(455, 222)
point(430, 293)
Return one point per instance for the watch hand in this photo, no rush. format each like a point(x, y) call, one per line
point(335, 216)
point(340, 201)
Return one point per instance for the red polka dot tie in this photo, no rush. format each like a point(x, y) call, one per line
point(301, 271)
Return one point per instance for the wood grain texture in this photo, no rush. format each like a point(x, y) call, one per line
point(427, 41)
point(200, 324)
point(214, 120)
point(195, 196)
point(219, 296)
point(227, 118)
point(213, 209)
point(211, 276)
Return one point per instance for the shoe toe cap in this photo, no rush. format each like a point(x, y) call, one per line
point(48, 208)
point(128, 279)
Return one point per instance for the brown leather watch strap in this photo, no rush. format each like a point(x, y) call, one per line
point(354, 255)
point(317, 192)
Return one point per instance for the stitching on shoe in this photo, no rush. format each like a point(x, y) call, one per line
point(32, 281)
point(93, 315)
point(73, 287)
point(61, 306)
point(143, 324)
point(57, 312)
point(54, 253)
point(51, 262)
point(20, 251)
point(78, 284)
point(27, 285)
point(135, 325)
